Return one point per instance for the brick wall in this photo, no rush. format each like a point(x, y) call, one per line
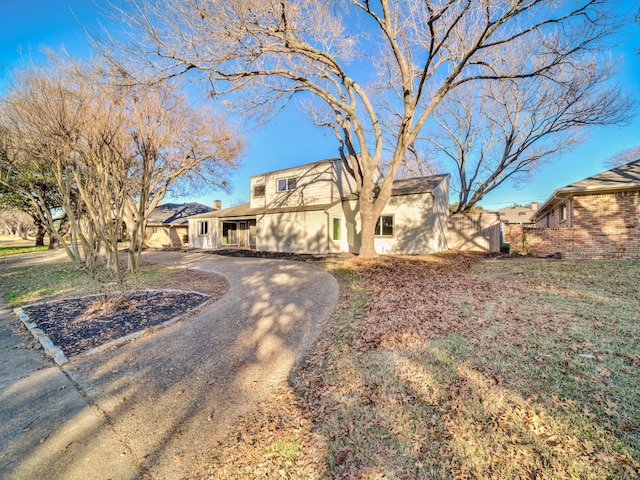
point(603, 226)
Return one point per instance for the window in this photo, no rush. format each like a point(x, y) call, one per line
point(258, 190)
point(285, 184)
point(337, 229)
point(563, 212)
point(203, 228)
point(384, 226)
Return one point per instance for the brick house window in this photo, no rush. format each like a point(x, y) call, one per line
point(258, 190)
point(285, 184)
point(563, 212)
point(203, 228)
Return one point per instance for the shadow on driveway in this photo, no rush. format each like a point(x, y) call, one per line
point(169, 396)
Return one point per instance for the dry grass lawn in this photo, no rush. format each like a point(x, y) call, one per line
point(438, 367)
point(452, 366)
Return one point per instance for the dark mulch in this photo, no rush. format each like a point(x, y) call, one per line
point(300, 257)
point(80, 324)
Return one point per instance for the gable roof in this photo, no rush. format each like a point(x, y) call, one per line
point(176, 213)
point(237, 211)
point(298, 167)
point(623, 177)
point(412, 186)
point(518, 214)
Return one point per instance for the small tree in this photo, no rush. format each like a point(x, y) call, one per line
point(113, 151)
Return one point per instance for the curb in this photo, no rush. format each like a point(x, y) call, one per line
point(49, 347)
point(58, 356)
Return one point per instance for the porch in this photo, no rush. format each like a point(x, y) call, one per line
point(237, 232)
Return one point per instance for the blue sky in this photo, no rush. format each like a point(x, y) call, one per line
point(289, 139)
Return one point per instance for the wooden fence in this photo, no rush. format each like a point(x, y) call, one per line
point(477, 232)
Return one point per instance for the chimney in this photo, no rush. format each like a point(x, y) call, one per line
point(534, 205)
point(217, 205)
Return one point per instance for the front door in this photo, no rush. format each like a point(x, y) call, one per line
point(229, 233)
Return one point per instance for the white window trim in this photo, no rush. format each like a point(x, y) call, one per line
point(288, 182)
point(200, 223)
point(379, 224)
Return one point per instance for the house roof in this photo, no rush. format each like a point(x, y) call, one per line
point(245, 210)
point(518, 214)
point(623, 177)
point(297, 167)
point(236, 211)
point(412, 186)
point(176, 213)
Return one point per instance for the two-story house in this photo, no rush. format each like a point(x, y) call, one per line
point(313, 208)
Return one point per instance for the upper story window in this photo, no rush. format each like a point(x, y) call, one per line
point(203, 228)
point(384, 226)
point(285, 184)
point(258, 190)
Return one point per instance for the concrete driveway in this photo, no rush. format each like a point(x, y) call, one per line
point(167, 397)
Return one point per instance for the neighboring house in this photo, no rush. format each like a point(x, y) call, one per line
point(510, 216)
point(314, 209)
point(598, 217)
point(168, 225)
point(518, 215)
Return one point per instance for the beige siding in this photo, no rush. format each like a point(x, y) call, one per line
point(166, 236)
point(203, 241)
point(419, 222)
point(315, 185)
point(296, 232)
point(414, 225)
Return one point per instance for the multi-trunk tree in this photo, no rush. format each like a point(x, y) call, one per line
point(113, 151)
point(361, 64)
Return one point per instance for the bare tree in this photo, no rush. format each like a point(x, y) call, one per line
point(361, 60)
point(114, 151)
point(177, 147)
point(623, 156)
point(497, 131)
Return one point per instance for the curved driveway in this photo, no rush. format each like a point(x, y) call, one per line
point(168, 396)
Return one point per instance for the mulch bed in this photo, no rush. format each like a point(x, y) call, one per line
point(300, 257)
point(80, 324)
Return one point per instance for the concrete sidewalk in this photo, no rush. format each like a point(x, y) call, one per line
point(47, 430)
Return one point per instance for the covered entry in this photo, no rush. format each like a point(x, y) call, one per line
point(239, 233)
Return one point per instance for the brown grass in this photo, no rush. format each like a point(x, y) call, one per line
point(450, 366)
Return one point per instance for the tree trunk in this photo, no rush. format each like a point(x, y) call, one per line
point(368, 219)
point(54, 242)
point(40, 232)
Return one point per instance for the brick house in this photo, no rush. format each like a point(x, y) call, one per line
point(598, 217)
